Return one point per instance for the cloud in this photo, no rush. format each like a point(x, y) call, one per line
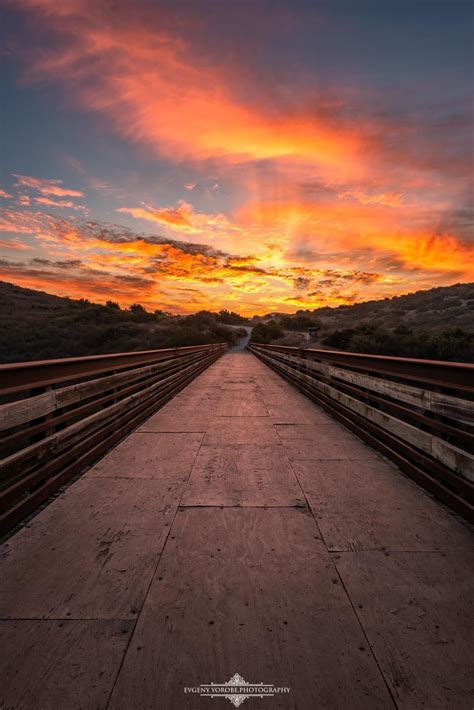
point(302, 283)
point(14, 245)
point(5, 195)
point(183, 218)
point(47, 187)
point(63, 204)
point(327, 191)
point(97, 256)
point(75, 280)
point(16, 221)
point(175, 217)
point(159, 90)
point(68, 264)
point(390, 199)
point(365, 232)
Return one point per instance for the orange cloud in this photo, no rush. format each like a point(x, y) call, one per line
point(363, 213)
point(5, 195)
point(175, 217)
point(94, 256)
point(58, 203)
point(155, 91)
point(47, 187)
point(325, 227)
point(22, 222)
point(390, 199)
point(182, 218)
point(14, 245)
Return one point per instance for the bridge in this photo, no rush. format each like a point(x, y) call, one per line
point(175, 517)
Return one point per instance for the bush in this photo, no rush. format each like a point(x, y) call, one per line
point(265, 333)
point(452, 344)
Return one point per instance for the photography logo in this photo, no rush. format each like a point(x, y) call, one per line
point(237, 690)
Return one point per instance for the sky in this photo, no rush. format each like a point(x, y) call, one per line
point(259, 156)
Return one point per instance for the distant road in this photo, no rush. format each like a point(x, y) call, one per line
point(242, 344)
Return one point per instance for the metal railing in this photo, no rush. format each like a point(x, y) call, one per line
point(58, 416)
point(419, 413)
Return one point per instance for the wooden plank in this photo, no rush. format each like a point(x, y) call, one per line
point(197, 395)
point(165, 456)
point(91, 553)
point(339, 444)
point(241, 389)
point(43, 449)
point(190, 399)
point(443, 483)
point(242, 475)
point(455, 375)
point(448, 454)
point(59, 471)
point(25, 410)
point(417, 612)
point(24, 436)
point(310, 432)
point(248, 591)
point(181, 420)
point(454, 407)
point(281, 414)
point(241, 430)
point(285, 396)
point(370, 505)
point(249, 406)
point(22, 376)
point(54, 665)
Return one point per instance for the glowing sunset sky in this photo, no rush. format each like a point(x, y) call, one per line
point(257, 155)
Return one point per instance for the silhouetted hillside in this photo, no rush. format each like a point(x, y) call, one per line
point(37, 326)
point(448, 306)
point(433, 324)
point(436, 324)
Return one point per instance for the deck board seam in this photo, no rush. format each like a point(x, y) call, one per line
point(346, 591)
point(119, 669)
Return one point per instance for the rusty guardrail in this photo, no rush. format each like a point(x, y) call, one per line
point(57, 416)
point(419, 413)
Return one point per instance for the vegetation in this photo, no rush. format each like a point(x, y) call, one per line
point(265, 333)
point(37, 326)
point(453, 344)
point(437, 308)
point(300, 321)
point(437, 324)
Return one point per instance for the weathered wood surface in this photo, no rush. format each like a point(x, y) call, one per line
point(60, 664)
point(43, 449)
point(243, 476)
point(30, 408)
point(260, 596)
point(91, 553)
point(239, 530)
point(365, 507)
point(417, 611)
point(164, 456)
point(436, 402)
point(451, 456)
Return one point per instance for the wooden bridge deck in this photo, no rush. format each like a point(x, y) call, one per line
point(239, 530)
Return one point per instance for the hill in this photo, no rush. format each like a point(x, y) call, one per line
point(435, 324)
point(38, 326)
